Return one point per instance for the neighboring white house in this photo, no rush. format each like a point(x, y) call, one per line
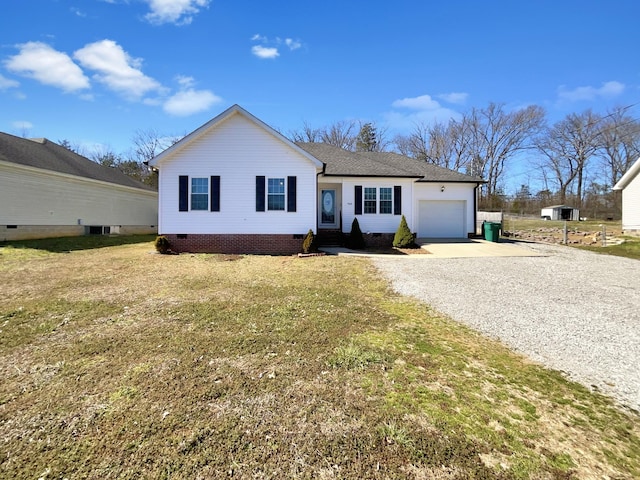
point(630, 186)
point(47, 190)
point(236, 185)
point(560, 212)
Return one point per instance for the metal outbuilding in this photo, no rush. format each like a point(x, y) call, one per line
point(560, 212)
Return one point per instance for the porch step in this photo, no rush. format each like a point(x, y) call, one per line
point(330, 238)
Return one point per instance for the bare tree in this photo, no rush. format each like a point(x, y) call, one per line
point(567, 148)
point(307, 134)
point(149, 143)
point(340, 134)
point(618, 143)
point(496, 136)
point(414, 145)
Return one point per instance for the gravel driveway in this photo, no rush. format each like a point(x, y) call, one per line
point(571, 310)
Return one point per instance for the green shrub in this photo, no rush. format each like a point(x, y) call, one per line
point(162, 244)
point(356, 240)
point(403, 237)
point(308, 245)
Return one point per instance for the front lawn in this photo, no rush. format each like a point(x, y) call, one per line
point(121, 363)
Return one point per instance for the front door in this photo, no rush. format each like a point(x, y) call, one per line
point(328, 208)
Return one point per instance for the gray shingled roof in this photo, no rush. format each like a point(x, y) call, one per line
point(47, 155)
point(340, 162)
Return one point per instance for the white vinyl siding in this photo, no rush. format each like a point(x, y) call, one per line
point(33, 196)
point(238, 150)
point(453, 192)
point(380, 222)
point(412, 193)
point(631, 205)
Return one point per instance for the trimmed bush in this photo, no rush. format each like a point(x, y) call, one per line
point(356, 239)
point(162, 244)
point(404, 237)
point(308, 245)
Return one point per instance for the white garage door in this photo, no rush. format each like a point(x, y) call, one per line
point(441, 219)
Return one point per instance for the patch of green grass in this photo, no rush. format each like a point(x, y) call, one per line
point(629, 249)
point(69, 244)
point(192, 366)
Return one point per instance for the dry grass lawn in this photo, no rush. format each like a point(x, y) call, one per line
point(117, 362)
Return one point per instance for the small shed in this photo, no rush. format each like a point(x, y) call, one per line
point(560, 212)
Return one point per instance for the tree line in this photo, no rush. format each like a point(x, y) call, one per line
point(575, 160)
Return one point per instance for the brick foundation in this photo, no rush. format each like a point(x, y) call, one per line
point(268, 244)
point(378, 239)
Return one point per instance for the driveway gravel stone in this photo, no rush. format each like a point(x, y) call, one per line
point(569, 309)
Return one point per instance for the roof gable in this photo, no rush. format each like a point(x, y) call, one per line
point(218, 120)
point(628, 177)
point(47, 155)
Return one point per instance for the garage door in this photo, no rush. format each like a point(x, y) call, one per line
point(441, 219)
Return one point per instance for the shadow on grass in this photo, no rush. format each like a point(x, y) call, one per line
point(68, 244)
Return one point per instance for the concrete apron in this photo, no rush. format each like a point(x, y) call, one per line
point(474, 247)
point(451, 248)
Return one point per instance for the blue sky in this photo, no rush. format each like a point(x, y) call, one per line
point(95, 71)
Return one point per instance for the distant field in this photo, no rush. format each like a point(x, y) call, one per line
point(117, 362)
point(513, 223)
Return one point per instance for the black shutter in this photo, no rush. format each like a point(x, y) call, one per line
point(397, 200)
point(183, 193)
point(358, 199)
point(215, 193)
point(260, 180)
point(291, 194)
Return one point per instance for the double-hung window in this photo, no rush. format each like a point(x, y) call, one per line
point(386, 200)
point(275, 194)
point(370, 200)
point(199, 194)
point(382, 200)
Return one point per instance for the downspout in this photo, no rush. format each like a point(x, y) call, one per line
point(324, 166)
point(475, 209)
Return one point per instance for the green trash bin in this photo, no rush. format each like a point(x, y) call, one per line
point(492, 231)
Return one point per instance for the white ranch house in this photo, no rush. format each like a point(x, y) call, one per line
point(236, 185)
point(47, 190)
point(630, 186)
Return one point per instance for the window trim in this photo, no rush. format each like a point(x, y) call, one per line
point(369, 204)
point(280, 196)
point(202, 196)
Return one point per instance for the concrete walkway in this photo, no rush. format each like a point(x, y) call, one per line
point(452, 248)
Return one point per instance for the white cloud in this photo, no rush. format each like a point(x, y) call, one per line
point(116, 69)
point(607, 90)
point(184, 81)
point(265, 52)
point(190, 101)
point(22, 125)
point(422, 110)
point(268, 48)
point(292, 44)
point(457, 98)
point(6, 83)
point(423, 102)
point(179, 12)
point(39, 61)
